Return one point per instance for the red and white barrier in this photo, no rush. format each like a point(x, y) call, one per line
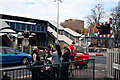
point(94, 48)
point(42, 50)
point(95, 53)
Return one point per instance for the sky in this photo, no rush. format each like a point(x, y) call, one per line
point(47, 9)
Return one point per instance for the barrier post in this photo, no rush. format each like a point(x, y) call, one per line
point(115, 75)
point(59, 66)
point(93, 69)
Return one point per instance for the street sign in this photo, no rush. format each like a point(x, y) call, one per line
point(105, 29)
point(116, 66)
point(26, 34)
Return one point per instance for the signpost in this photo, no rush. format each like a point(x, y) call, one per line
point(26, 38)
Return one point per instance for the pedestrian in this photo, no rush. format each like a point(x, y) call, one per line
point(36, 72)
point(49, 51)
point(65, 67)
point(66, 55)
point(35, 54)
point(72, 55)
point(52, 47)
point(56, 59)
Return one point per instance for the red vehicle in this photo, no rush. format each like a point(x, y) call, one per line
point(81, 56)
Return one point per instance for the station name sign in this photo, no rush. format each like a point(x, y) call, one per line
point(116, 66)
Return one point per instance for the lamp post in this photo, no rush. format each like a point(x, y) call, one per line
point(57, 16)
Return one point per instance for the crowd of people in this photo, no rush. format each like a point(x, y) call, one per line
point(58, 57)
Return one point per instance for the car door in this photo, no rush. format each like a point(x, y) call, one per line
point(4, 56)
point(14, 57)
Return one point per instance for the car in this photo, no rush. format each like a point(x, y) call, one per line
point(80, 54)
point(10, 55)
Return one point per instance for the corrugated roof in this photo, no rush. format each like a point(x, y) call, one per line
point(55, 24)
point(72, 32)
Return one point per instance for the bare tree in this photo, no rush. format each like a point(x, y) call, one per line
point(116, 21)
point(96, 16)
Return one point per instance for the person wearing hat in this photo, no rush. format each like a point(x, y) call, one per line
point(35, 55)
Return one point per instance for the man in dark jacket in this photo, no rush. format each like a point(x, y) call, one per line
point(65, 67)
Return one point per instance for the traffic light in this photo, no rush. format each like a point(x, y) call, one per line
point(26, 34)
point(104, 29)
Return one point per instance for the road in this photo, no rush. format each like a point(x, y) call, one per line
point(100, 66)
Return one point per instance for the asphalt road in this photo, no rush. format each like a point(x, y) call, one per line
point(100, 66)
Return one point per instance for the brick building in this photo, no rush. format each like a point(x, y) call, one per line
point(74, 24)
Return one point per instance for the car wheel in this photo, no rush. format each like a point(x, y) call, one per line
point(25, 60)
point(86, 66)
point(80, 66)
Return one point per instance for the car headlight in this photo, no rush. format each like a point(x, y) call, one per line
point(29, 55)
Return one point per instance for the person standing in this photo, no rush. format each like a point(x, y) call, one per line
point(72, 54)
point(65, 67)
point(35, 61)
point(35, 55)
point(49, 51)
point(56, 59)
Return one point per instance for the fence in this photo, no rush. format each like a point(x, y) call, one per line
point(52, 72)
point(113, 56)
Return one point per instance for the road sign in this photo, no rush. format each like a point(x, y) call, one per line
point(116, 66)
point(105, 29)
point(26, 34)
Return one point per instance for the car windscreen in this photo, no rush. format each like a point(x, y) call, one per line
point(10, 51)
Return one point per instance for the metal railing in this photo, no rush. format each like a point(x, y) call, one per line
point(84, 69)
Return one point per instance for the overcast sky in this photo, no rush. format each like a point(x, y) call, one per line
point(47, 9)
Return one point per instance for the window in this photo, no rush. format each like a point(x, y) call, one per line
point(33, 27)
point(45, 28)
point(23, 26)
point(12, 25)
point(10, 51)
point(18, 26)
point(28, 27)
point(38, 28)
point(42, 28)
